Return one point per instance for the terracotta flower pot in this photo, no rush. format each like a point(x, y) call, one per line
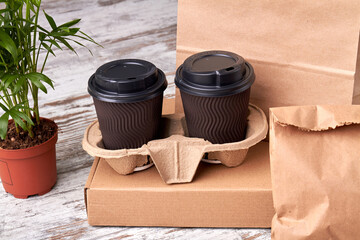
point(29, 171)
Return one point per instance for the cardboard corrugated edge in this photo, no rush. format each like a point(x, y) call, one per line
point(89, 180)
point(341, 115)
point(356, 94)
point(177, 157)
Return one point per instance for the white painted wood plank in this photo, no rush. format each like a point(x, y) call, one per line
point(126, 29)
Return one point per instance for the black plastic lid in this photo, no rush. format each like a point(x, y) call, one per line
point(127, 80)
point(214, 74)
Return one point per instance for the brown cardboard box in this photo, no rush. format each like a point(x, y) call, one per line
point(217, 197)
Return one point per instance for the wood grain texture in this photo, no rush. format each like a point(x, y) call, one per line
point(126, 29)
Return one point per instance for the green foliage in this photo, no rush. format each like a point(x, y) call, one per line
point(22, 40)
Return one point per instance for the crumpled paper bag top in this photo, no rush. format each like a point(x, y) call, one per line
point(315, 172)
point(317, 118)
point(176, 156)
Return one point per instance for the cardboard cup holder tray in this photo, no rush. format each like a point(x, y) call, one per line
point(176, 156)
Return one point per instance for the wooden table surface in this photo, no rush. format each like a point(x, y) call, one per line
point(126, 29)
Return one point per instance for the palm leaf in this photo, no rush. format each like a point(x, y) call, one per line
point(4, 121)
point(7, 43)
point(50, 20)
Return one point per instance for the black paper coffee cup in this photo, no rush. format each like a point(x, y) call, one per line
point(128, 96)
point(215, 91)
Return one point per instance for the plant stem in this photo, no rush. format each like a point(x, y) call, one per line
point(35, 59)
point(35, 93)
point(7, 97)
point(27, 111)
point(35, 90)
point(10, 104)
point(6, 67)
point(46, 57)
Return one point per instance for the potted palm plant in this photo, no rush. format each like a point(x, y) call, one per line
point(27, 144)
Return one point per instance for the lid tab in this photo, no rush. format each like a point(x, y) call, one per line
point(214, 73)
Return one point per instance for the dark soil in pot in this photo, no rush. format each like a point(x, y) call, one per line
point(42, 133)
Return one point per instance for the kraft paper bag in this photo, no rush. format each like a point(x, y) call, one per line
point(315, 171)
point(303, 52)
